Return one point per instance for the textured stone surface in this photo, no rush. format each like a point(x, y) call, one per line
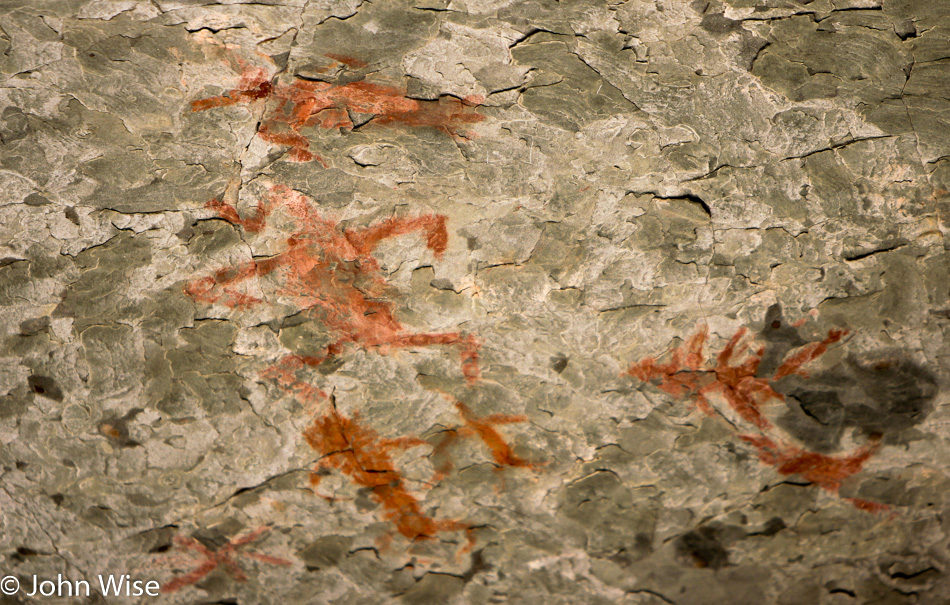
point(444, 301)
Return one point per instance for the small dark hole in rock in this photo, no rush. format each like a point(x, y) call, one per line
point(46, 386)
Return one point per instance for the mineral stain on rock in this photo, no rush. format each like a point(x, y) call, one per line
point(325, 552)
point(116, 428)
point(881, 393)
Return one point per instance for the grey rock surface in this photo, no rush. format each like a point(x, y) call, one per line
point(444, 301)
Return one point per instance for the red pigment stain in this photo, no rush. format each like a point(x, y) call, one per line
point(348, 61)
point(284, 372)
point(482, 427)
point(306, 103)
point(734, 378)
point(226, 557)
point(359, 453)
point(228, 213)
point(824, 471)
point(332, 276)
point(809, 352)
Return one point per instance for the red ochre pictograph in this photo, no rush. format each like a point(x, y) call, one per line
point(734, 379)
point(359, 453)
point(308, 103)
point(482, 427)
point(225, 556)
point(332, 276)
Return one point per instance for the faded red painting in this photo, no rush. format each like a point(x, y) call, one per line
point(331, 275)
point(358, 452)
point(225, 557)
point(734, 378)
point(307, 103)
point(482, 428)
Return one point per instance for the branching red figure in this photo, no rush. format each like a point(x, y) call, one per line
point(306, 103)
point(332, 276)
point(225, 556)
point(360, 454)
point(482, 427)
point(736, 379)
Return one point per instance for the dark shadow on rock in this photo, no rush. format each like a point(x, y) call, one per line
point(879, 393)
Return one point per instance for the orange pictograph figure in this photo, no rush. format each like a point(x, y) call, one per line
point(225, 556)
point(482, 427)
point(735, 379)
point(358, 452)
point(331, 275)
point(308, 103)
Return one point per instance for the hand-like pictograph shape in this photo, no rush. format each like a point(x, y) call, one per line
point(225, 556)
point(736, 379)
point(307, 103)
point(332, 276)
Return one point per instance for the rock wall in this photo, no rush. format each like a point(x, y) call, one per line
point(443, 301)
